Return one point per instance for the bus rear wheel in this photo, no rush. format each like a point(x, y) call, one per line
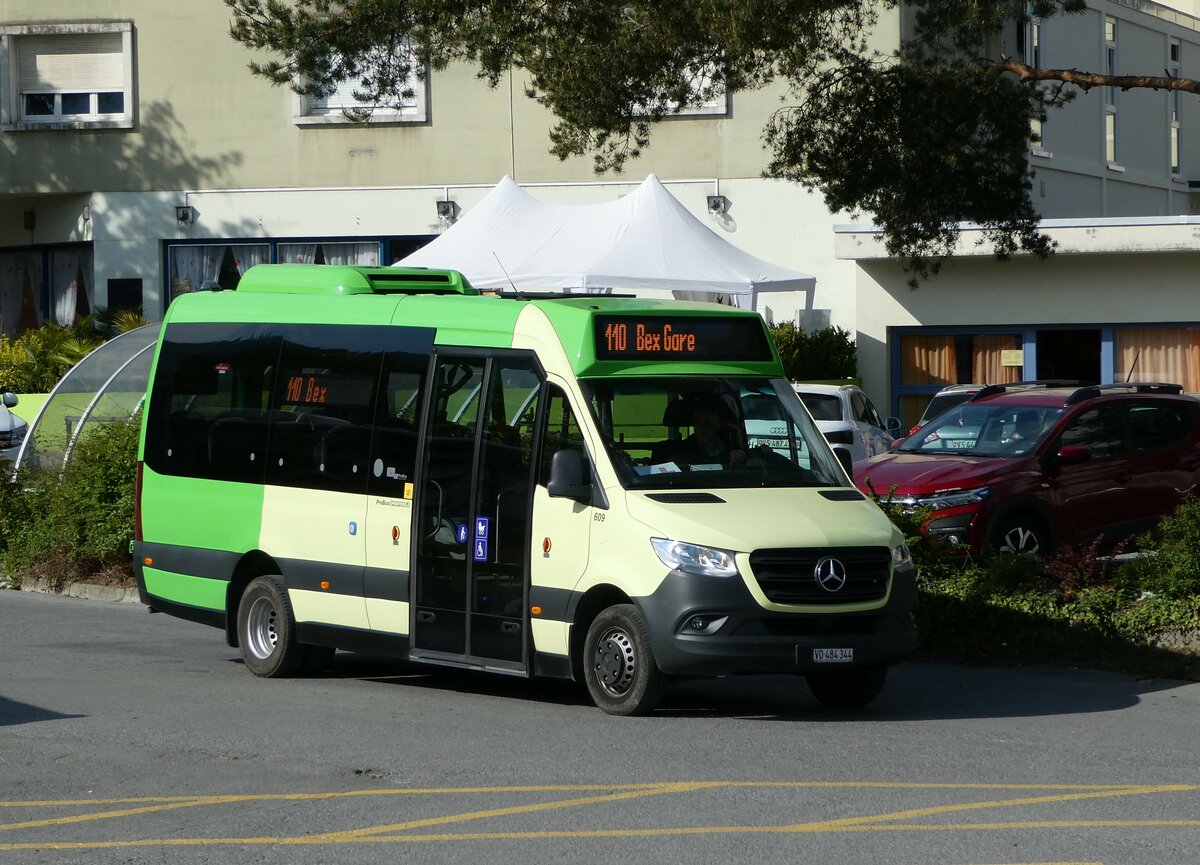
point(619, 667)
point(847, 689)
point(267, 630)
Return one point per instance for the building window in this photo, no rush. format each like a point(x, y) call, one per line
point(68, 76)
point(20, 287)
point(1110, 58)
point(1169, 354)
point(360, 254)
point(929, 362)
point(1176, 100)
point(342, 106)
point(709, 100)
point(1110, 137)
point(72, 285)
point(197, 267)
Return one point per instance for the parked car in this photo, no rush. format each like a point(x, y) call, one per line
point(944, 400)
point(12, 429)
point(1044, 466)
point(848, 419)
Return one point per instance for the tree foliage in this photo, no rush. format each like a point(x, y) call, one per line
point(922, 136)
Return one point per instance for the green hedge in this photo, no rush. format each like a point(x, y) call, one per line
point(1080, 607)
point(78, 523)
point(823, 354)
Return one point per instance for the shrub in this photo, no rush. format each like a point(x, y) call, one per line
point(77, 523)
point(828, 353)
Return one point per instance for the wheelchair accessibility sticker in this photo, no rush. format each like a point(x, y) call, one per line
point(482, 529)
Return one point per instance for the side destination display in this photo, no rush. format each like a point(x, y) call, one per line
point(676, 338)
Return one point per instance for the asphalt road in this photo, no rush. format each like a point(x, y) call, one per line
point(132, 738)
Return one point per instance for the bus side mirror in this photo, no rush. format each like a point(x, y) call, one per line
point(10, 399)
point(568, 477)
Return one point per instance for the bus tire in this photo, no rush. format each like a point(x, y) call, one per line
point(847, 689)
point(267, 630)
point(618, 663)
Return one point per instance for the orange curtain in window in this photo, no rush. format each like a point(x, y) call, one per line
point(928, 360)
point(986, 367)
point(1166, 354)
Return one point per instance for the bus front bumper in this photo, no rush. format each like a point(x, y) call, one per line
point(710, 626)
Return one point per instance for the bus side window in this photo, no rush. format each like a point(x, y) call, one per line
point(322, 410)
point(209, 413)
point(394, 446)
point(562, 432)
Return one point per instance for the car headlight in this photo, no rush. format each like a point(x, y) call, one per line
point(693, 559)
point(948, 499)
point(901, 556)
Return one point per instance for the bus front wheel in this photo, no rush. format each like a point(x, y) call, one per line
point(267, 630)
point(619, 667)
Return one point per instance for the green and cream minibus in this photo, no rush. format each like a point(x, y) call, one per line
point(616, 491)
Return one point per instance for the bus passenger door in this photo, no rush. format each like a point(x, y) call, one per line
point(471, 562)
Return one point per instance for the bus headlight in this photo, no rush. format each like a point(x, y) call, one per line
point(901, 556)
point(693, 559)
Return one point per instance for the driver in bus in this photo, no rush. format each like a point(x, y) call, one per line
point(712, 434)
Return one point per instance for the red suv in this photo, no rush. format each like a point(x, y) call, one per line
point(1024, 467)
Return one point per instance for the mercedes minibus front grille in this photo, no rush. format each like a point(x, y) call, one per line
point(792, 576)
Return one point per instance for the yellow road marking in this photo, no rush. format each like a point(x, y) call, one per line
point(999, 803)
point(664, 789)
point(599, 833)
point(401, 832)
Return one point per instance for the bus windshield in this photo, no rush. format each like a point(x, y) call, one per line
point(687, 432)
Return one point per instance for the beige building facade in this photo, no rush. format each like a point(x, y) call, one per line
point(139, 158)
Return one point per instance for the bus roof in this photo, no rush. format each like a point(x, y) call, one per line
point(601, 335)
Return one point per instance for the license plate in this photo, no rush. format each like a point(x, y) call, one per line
point(832, 656)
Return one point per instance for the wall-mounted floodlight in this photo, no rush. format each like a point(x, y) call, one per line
point(185, 214)
point(447, 210)
point(717, 204)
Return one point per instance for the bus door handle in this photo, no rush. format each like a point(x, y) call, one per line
point(425, 617)
point(509, 627)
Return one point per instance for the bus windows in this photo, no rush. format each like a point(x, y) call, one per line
point(394, 448)
point(562, 432)
point(209, 412)
point(322, 407)
point(505, 477)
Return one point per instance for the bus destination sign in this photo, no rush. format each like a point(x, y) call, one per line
point(680, 338)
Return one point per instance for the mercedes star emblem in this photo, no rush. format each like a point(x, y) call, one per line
point(830, 574)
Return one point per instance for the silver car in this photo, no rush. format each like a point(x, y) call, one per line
point(848, 419)
point(12, 429)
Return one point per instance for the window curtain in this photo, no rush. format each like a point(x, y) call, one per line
point(192, 266)
point(11, 291)
point(69, 295)
point(361, 254)
point(985, 359)
point(297, 253)
point(245, 257)
point(86, 268)
point(29, 277)
point(928, 360)
point(1166, 354)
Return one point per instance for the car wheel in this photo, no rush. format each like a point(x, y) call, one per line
point(267, 630)
point(1022, 535)
point(619, 667)
point(847, 689)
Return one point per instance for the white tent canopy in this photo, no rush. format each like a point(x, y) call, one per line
point(647, 242)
